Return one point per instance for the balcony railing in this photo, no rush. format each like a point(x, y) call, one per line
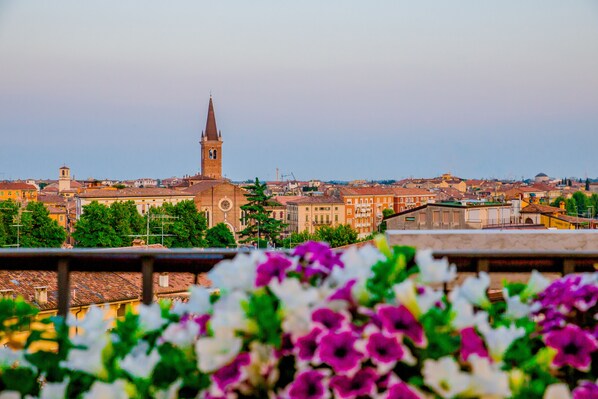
point(148, 261)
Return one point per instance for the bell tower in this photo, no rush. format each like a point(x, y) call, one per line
point(211, 147)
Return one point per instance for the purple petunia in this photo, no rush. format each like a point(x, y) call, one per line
point(401, 391)
point(338, 351)
point(328, 318)
point(400, 320)
point(319, 257)
point(308, 344)
point(362, 383)
point(275, 267)
point(344, 293)
point(574, 347)
point(472, 344)
point(587, 390)
point(231, 373)
point(308, 385)
point(383, 349)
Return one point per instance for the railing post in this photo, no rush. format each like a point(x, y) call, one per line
point(482, 265)
point(64, 287)
point(147, 274)
point(568, 266)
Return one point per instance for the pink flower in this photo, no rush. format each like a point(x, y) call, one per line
point(328, 318)
point(471, 344)
point(362, 383)
point(308, 385)
point(574, 347)
point(308, 344)
point(338, 351)
point(587, 390)
point(401, 391)
point(231, 374)
point(383, 349)
point(275, 267)
point(400, 320)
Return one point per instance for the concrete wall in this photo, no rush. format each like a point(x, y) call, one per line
point(545, 240)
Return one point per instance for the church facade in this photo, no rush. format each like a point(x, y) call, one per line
point(217, 197)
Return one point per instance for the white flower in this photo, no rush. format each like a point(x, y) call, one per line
point(238, 273)
point(10, 395)
point(138, 362)
point(445, 377)
point(88, 360)
point(358, 265)
point(199, 302)
point(499, 339)
point(91, 327)
point(515, 308)
point(171, 392)
point(474, 290)
point(297, 321)
point(464, 316)
point(428, 299)
point(215, 352)
point(557, 391)
point(292, 293)
point(487, 379)
point(229, 314)
point(537, 283)
point(54, 390)
point(150, 317)
point(103, 390)
point(10, 358)
point(181, 334)
point(406, 295)
point(432, 271)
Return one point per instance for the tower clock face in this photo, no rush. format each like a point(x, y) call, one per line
point(225, 205)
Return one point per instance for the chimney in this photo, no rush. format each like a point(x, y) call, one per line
point(41, 295)
point(562, 205)
point(163, 280)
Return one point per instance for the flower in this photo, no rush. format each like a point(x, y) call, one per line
point(432, 271)
point(338, 351)
point(139, 363)
point(89, 359)
point(400, 320)
point(474, 290)
point(444, 377)
point(536, 284)
point(275, 267)
point(487, 379)
point(500, 339)
point(319, 257)
point(308, 344)
point(181, 334)
point(586, 390)
point(464, 316)
point(516, 309)
point(383, 349)
point(471, 344)
point(402, 391)
point(363, 383)
point(54, 390)
point(229, 314)
point(557, 391)
point(238, 273)
point(231, 374)
point(215, 352)
point(574, 347)
point(308, 385)
point(406, 295)
point(150, 317)
point(104, 390)
point(199, 302)
point(328, 318)
point(292, 293)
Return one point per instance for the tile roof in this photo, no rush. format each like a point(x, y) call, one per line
point(51, 199)
point(133, 192)
point(320, 199)
point(400, 191)
point(16, 186)
point(284, 199)
point(354, 191)
point(542, 209)
point(203, 185)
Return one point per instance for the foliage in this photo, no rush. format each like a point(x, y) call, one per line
point(337, 236)
point(385, 213)
point(38, 229)
point(581, 202)
point(126, 222)
point(185, 225)
point(220, 236)
point(294, 239)
point(557, 201)
point(370, 322)
point(94, 228)
point(257, 219)
point(9, 213)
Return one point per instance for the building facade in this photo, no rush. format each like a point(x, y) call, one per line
point(310, 213)
point(18, 192)
point(364, 207)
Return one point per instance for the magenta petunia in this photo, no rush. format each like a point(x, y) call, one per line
point(231, 374)
point(363, 383)
point(308, 344)
point(383, 349)
point(319, 257)
point(472, 344)
point(202, 321)
point(344, 293)
point(400, 320)
point(328, 318)
point(275, 267)
point(308, 385)
point(587, 390)
point(574, 347)
point(338, 351)
point(401, 391)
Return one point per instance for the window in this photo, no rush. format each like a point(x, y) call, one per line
point(120, 312)
point(336, 218)
point(435, 216)
point(445, 217)
point(349, 202)
point(307, 218)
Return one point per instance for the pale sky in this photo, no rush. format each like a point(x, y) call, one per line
point(323, 89)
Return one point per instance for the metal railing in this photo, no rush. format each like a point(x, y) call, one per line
point(196, 261)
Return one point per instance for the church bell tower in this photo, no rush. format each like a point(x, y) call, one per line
point(211, 147)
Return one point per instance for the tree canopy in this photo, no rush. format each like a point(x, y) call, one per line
point(36, 229)
point(335, 236)
point(94, 228)
point(260, 225)
point(220, 236)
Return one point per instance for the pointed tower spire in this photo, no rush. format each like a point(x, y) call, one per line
point(211, 131)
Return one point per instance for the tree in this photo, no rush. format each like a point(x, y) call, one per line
point(557, 201)
point(187, 226)
point(295, 239)
point(587, 184)
point(259, 222)
point(220, 236)
point(126, 222)
point(337, 236)
point(38, 229)
point(9, 211)
point(581, 200)
point(385, 213)
point(94, 230)
point(593, 203)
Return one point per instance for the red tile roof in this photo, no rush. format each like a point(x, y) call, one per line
point(16, 186)
point(355, 191)
point(320, 199)
point(542, 209)
point(133, 192)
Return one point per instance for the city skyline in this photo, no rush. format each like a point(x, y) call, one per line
point(337, 91)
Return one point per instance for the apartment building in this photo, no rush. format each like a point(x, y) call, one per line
point(310, 213)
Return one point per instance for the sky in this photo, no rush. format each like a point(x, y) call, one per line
point(338, 89)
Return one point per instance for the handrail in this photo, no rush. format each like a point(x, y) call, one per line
point(149, 261)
